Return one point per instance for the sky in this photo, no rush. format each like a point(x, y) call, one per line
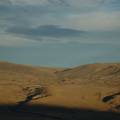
point(60, 33)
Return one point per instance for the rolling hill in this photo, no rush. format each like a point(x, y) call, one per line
point(86, 87)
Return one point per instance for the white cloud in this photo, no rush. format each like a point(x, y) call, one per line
point(9, 40)
point(94, 21)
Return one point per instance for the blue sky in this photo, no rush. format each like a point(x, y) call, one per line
point(59, 33)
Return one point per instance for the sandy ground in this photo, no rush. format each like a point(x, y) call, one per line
point(68, 94)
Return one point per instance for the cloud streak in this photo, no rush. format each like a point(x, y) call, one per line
point(52, 31)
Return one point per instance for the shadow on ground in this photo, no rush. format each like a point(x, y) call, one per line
point(44, 112)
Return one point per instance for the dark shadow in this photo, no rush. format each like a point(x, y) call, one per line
point(44, 112)
point(110, 97)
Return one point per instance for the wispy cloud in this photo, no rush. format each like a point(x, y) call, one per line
point(35, 2)
point(53, 32)
point(59, 20)
point(95, 21)
point(70, 3)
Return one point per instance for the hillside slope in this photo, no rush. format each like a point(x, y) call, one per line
point(103, 74)
point(25, 74)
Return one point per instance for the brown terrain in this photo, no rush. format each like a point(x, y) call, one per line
point(82, 93)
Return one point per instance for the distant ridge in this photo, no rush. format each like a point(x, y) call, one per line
point(106, 73)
